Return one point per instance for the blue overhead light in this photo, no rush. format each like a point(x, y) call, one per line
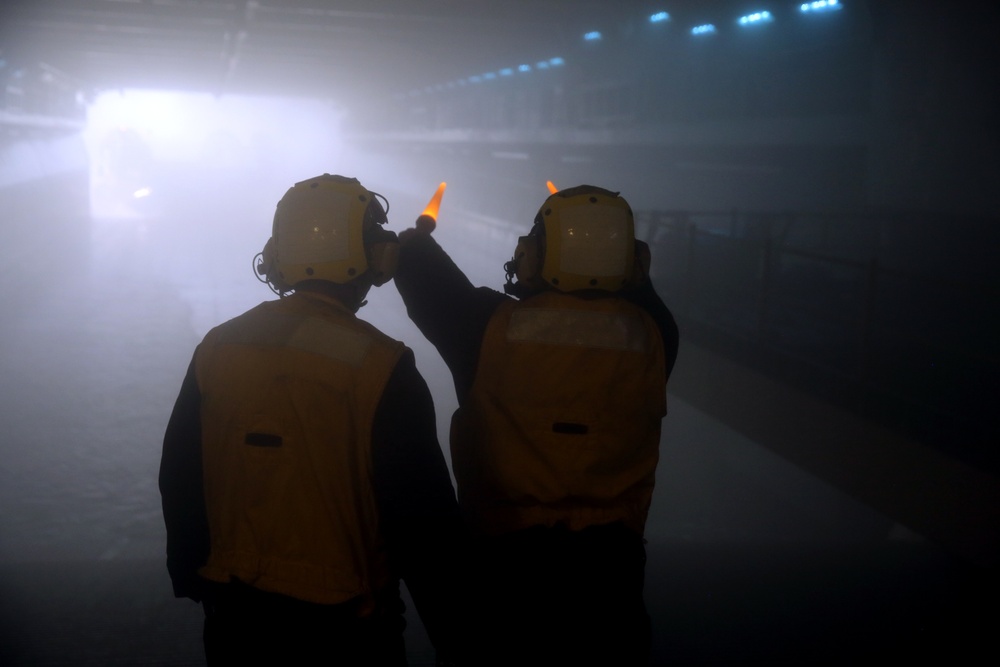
point(556, 61)
point(705, 29)
point(551, 62)
point(756, 18)
point(592, 36)
point(819, 6)
point(659, 17)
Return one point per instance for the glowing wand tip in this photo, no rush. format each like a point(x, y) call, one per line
point(435, 203)
point(552, 187)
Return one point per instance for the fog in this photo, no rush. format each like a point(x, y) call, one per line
point(132, 234)
point(95, 348)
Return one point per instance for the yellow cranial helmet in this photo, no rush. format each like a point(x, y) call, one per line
point(328, 228)
point(583, 239)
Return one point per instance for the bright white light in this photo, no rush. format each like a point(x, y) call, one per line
point(145, 141)
point(706, 29)
point(524, 68)
point(592, 36)
point(756, 17)
point(184, 127)
point(820, 6)
point(659, 17)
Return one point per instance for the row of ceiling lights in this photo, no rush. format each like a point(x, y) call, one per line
point(704, 29)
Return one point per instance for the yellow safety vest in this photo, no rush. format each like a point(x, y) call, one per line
point(562, 423)
point(289, 393)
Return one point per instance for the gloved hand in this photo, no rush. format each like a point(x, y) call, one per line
point(425, 224)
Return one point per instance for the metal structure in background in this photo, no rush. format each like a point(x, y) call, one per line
point(348, 49)
point(38, 100)
point(841, 306)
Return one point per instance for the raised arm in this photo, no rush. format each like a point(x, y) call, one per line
point(449, 311)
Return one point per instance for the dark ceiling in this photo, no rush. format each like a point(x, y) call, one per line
point(299, 47)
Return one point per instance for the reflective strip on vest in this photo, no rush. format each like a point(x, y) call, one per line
point(313, 334)
point(612, 331)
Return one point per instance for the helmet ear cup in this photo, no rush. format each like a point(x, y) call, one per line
point(267, 268)
point(640, 267)
point(383, 254)
point(525, 266)
point(528, 257)
point(266, 264)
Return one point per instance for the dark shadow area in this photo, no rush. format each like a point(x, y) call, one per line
point(722, 604)
point(798, 605)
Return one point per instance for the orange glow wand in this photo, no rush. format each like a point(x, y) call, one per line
point(552, 187)
point(435, 203)
point(428, 219)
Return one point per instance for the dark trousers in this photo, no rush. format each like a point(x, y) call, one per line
point(244, 625)
point(556, 597)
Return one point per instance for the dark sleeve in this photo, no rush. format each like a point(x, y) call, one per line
point(417, 507)
point(645, 297)
point(449, 311)
point(182, 491)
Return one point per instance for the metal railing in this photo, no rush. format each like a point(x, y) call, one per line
point(860, 309)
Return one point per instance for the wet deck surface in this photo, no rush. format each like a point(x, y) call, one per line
point(710, 606)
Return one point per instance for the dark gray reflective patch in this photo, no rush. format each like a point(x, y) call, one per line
point(262, 440)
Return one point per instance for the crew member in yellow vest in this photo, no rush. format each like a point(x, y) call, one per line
point(561, 384)
point(301, 475)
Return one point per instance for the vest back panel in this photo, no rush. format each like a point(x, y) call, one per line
point(289, 393)
point(562, 423)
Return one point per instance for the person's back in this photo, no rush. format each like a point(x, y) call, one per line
point(300, 469)
point(561, 424)
point(288, 512)
point(556, 439)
